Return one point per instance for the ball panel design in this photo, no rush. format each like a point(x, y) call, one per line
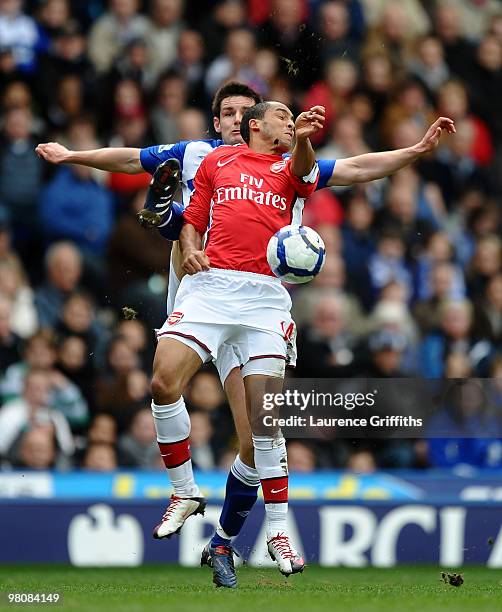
point(296, 254)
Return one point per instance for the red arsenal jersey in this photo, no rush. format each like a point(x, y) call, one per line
point(245, 197)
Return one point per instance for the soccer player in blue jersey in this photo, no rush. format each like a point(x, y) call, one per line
point(229, 105)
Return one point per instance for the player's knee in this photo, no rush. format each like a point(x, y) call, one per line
point(165, 387)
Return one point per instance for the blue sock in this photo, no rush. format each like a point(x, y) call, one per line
point(239, 499)
point(171, 230)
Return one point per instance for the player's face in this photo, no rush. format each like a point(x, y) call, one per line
point(278, 127)
point(228, 124)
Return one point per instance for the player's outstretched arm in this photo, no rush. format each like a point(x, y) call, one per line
point(192, 254)
point(110, 159)
point(306, 124)
point(372, 166)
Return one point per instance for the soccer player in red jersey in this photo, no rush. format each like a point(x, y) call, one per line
point(230, 295)
point(228, 107)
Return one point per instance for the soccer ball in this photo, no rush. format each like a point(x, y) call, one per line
point(296, 254)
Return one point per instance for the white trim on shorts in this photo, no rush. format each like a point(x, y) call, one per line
point(266, 365)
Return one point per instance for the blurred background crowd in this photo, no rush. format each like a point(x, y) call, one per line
point(412, 284)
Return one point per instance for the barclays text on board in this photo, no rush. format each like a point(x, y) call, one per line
point(338, 534)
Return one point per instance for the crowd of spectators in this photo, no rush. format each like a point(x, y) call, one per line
point(412, 285)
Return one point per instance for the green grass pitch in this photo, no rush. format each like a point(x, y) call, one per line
point(169, 587)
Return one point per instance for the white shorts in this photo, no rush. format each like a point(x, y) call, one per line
point(228, 360)
point(236, 316)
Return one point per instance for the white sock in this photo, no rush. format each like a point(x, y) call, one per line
point(223, 534)
point(272, 466)
point(277, 519)
point(172, 424)
point(244, 473)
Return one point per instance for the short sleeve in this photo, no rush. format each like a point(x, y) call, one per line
point(306, 185)
point(326, 167)
point(151, 157)
point(198, 212)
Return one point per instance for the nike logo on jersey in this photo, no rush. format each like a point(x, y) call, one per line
point(165, 455)
point(278, 490)
point(221, 163)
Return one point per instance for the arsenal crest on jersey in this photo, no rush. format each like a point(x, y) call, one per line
point(175, 317)
point(278, 166)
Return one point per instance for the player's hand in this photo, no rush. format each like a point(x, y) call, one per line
point(310, 122)
point(433, 135)
point(195, 261)
point(53, 152)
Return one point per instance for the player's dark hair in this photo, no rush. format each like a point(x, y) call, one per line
point(232, 89)
point(255, 112)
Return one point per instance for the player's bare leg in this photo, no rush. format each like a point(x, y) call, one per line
point(236, 394)
point(241, 490)
point(174, 364)
point(242, 482)
point(272, 465)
